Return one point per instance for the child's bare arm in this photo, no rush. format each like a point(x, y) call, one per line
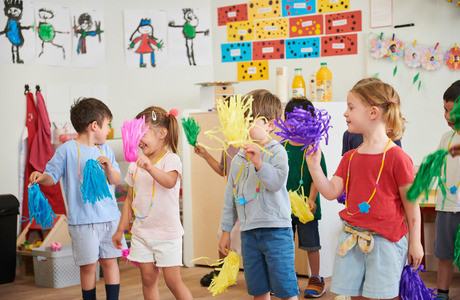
point(212, 162)
point(40, 178)
point(126, 216)
point(112, 175)
point(413, 219)
point(166, 179)
point(312, 198)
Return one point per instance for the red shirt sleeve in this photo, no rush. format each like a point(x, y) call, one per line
point(403, 170)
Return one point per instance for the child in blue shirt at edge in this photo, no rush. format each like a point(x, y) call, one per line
point(91, 226)
point(308, 233)
point(267, 242)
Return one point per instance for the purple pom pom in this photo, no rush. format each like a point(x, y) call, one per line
point(341, 198)
point(412, 287)
point(303, 127)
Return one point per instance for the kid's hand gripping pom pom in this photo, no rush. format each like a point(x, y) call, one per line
point(94, 186)
point(304, 127)
point(191, 129)
point(132, 133)
point(411, 286)
point(125, 253)
point(39, 208)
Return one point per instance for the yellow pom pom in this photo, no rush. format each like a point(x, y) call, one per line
point(227, 275)
point(300, 207)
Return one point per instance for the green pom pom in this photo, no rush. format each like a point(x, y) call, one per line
point(457, 247)
point(191, 129)
point(455, 114)
point(428, 175)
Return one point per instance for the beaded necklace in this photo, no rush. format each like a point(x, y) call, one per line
point(301, 167)
point(79, 159)
point(242, 200)
point(364, 206)
point(453, 189)
point(153, 192)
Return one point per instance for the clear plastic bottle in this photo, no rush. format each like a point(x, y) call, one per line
point(324, 84)
point(298, 84)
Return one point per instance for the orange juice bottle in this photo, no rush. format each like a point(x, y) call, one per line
point(298, 84)
point(324, 84)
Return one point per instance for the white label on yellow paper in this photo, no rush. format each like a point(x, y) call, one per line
point(334, 1)
point(264, 10)
point(242, 31)
point(271, 28)
point(252, 70)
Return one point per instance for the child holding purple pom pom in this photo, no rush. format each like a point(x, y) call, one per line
point(372, 249)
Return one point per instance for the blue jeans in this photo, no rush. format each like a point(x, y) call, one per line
point(268, 260)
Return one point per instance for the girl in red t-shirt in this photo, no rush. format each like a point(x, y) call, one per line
point(375, 178)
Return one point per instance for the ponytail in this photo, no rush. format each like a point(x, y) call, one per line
point(172, 140)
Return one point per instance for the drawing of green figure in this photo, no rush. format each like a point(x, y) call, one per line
point(189, 31)
point(46, 31)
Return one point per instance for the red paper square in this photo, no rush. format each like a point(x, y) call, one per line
point(232, 13)
point(263, 50)
point(343, 22)
point(333, 45)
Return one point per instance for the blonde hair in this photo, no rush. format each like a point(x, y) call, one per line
point(384, 96)
point(367, 80)
point(265, 105)
point(163, 120)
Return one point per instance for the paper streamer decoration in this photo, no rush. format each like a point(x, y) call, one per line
point(457, 247)
point(432, 58)
point(282, 86)
point(132, 133)
point(305, 128)
point(379, 46)
point(343, 22)
point(453, 58)
point(339, 45)
point(232, 13)
point(326, 6)
point(300, 207)
point(413, 56)
point(191, 129)
point(272, 29)
point(298, 7)
point(227, 275)
point(411, 286)
point(268, 50)
point(306, 26)
point(264, 9)
point(39, 208)
point(125, 253)
point(240, 31)
point(253, 70)
point(395, 49)
point(94, 187)
point(302, 48)
point(236, 52)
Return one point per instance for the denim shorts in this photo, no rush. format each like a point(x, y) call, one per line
point(268, 260)
point(93, 241)
point(446, 230)
point(308, 234)
point(372, 275)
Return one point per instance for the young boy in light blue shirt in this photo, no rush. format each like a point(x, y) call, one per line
point(91, 226)
point(256, 194)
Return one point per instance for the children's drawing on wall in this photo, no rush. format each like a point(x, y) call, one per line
point(191, 45)
point(145, 36)
point(17, 44)
point(54, 36)
point(88, 38)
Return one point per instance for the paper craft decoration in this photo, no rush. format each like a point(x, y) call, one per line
point(453, 58)
point(432, 58)
point(413, 56)
point(395, 49)
point(300, 207)
point(268, 50)
point(326, 6)
point(39, 208)
point(227, 275)
point(306, 26)
point(339, 45)
point(132, 133)
point(272, 29)
point(411, 286)
point(240, 31)
point(94, 187)
point(191, 129)
point(264, 9)
point(253, 70)
point(298, 7)
point(343, 22)
point(232, 13)
point(379, 46)
point(236, 52)
point(302, 48)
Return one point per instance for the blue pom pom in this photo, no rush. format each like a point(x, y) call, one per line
point(39, 208)
point(94, 187)
point(412, 287)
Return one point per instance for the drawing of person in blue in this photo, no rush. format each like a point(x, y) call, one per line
point(85, 23)
point(13, 28)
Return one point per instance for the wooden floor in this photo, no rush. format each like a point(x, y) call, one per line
point(24, 286)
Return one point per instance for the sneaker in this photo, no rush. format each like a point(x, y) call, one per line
point(442, 296)
point(206, 280)
point(315, 288)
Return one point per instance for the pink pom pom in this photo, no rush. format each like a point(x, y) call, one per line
point(132, 133)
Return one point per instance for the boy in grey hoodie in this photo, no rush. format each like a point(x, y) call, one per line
point(256, 194)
